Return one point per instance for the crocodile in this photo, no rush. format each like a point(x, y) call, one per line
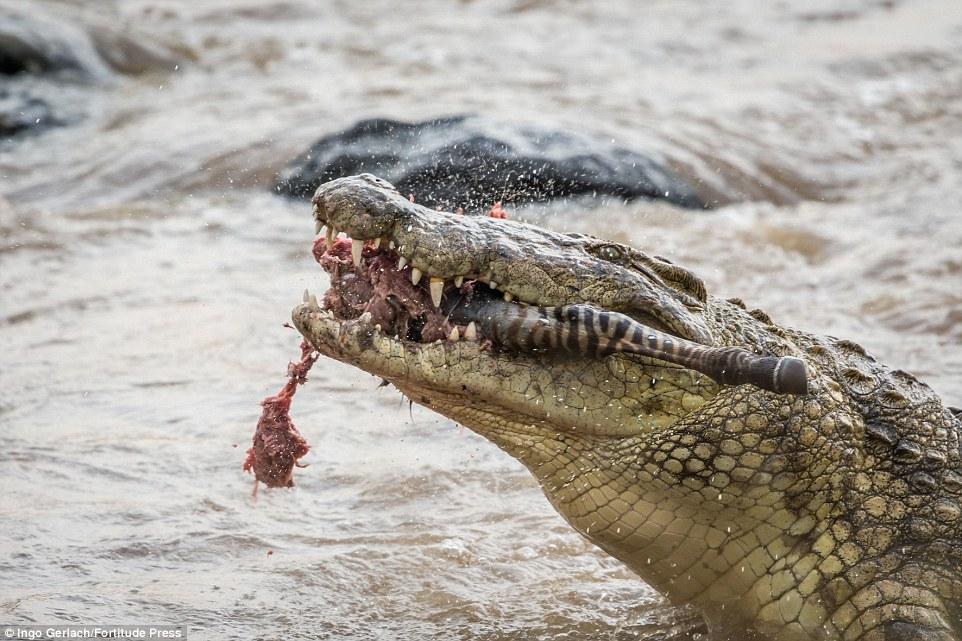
point(830, 514)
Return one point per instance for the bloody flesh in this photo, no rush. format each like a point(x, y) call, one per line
point(380, 288)
point(377, 287)
point(277, 444)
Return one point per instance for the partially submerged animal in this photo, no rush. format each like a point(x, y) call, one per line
point(831, 514)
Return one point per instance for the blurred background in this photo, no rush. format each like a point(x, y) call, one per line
point(150, 252)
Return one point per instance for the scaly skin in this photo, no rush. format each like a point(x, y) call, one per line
point(836, 515)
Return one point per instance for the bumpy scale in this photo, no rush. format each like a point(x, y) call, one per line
point(834, 515)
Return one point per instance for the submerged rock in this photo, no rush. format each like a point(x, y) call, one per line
point(76, 44)
point(472, 162)
point(20, 111)
point(31, 46)
point(46, 60)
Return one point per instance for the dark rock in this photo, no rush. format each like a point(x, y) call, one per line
point(471, 162)
point(32, 42)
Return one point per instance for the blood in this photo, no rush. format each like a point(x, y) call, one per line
point(497, 211)
point(277, 444)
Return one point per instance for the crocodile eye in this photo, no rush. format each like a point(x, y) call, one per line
point(611, 253)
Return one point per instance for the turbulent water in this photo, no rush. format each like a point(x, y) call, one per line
point(146, 272)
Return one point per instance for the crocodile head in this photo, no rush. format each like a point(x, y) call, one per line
point(728, 497)
point(406, 339)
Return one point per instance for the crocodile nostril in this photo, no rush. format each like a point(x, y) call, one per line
point(380, 182)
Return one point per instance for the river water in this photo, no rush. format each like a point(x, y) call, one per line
point(146, 272)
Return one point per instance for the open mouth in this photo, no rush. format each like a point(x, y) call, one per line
point(438, 296)
point(372, 282)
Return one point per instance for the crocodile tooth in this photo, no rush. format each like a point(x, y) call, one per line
point(492, 285)
point(415, 275)
point(437, 287)
point(357, 246)
point(376, 242)
point(458, 281)
point(313, 302)
point(318, 226)
point(508, 297)
point(390, 244)
point(471, 333)
point(402, 262)
point(331, 235)
point(454, 336)
point(307, 296)
point(377, 327)
point(365, 317)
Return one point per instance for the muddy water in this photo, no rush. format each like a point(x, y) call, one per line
point(146, 272)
